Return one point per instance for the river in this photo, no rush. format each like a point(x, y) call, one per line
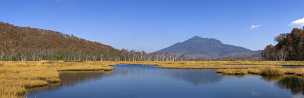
point(146, 81)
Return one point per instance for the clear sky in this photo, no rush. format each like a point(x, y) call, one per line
point(154, 24)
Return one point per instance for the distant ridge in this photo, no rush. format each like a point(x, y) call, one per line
point(207, 48)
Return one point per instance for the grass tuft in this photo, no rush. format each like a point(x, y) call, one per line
point(269, 71)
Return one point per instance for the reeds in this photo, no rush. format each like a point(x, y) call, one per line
point(269, 71)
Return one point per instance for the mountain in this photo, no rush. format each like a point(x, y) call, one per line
point(35, 44)
point(206, 48)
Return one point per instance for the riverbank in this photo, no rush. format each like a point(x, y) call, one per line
point(266, 68)
point(17, 77)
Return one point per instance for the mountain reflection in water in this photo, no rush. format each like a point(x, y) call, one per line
point(195, 76)
point(192, 76)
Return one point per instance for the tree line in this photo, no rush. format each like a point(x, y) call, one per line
point(132, 55)
point(290, 46)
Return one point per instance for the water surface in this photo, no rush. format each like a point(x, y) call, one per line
point(141, 81)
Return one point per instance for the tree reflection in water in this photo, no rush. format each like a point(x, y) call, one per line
point(293, 83)
point(70, 78)
point(73, 78)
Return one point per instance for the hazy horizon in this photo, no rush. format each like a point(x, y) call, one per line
point(151, 25)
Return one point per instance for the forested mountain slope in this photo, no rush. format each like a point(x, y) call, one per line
point(25, 43)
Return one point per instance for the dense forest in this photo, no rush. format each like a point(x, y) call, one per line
point(290, 46)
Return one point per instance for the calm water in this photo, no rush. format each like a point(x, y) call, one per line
point(140, 81)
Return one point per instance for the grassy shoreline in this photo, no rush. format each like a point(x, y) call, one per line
point(266, 68)
point(18, 77)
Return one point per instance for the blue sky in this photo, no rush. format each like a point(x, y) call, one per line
point(154, 24)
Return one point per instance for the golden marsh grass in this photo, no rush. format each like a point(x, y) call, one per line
point(17, 77)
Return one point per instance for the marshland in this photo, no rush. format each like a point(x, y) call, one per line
point(19, 77)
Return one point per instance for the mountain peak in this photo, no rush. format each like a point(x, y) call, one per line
point(196, 37)
point(202, 40)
